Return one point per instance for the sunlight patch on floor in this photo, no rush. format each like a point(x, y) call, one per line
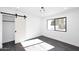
point(36, 45)
point(30, 42)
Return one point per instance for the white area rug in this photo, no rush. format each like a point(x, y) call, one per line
point(36, 45)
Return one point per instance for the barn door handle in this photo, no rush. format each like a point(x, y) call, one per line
point(15, 30)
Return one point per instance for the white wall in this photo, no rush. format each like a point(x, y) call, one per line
point(32, 27)
point(8, 28)
point(0, 31)
point(72, 34)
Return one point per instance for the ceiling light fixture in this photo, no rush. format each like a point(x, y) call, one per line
point(42, 9)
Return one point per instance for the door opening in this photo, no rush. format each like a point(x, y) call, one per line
point(8, 31)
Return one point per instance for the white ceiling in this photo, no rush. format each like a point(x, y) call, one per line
point(34, 11)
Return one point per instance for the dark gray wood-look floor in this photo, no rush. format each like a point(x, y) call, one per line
point(59, 46)
point(11, 46)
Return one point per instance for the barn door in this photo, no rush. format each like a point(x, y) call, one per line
point(20, 29)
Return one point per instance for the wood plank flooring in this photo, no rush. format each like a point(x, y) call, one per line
point(59, 46)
